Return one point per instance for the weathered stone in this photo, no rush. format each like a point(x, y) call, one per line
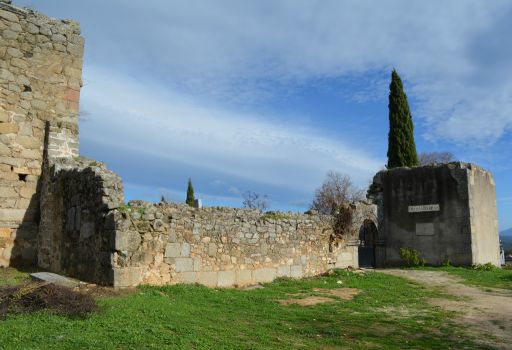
point(264, 274)
point(8, 128)
point(55, 279)
point(208, 279)
point(126, 277)
point(184, 264)
point(244, 277)
point(172, 250)
point(8, 16)
point(226, 279)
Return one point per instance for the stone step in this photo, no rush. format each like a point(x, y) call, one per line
point(55, 279)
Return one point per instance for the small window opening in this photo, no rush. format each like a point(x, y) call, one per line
point(27, 88)
point(22, 177)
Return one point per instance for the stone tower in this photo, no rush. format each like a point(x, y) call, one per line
point(40, 81)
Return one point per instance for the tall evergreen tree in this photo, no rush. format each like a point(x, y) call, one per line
point(190, 193)
point(401, 146)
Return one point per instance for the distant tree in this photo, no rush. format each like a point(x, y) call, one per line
point(336, 190)
point(401, 146)
point(253, 200)
point(163, 200)
point(428, 158)
point(190, 193)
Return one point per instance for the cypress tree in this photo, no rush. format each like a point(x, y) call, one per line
point(401, 146)
point(190, 193)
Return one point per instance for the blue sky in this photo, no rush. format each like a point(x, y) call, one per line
point(269, 95)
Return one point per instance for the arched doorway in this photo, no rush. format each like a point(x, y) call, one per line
point(367, 241)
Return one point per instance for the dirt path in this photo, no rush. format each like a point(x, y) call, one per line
point(485, 312)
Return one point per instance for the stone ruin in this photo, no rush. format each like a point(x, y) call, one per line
point(67, 214)
point(447, 212)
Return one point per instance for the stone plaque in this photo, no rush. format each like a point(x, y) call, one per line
point(425, 229)
point(424, 208)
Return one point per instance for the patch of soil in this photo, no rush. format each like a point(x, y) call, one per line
point(343, 293)
point(97, 292)
point(326, 296)
point(485, 311)
point(313, 300)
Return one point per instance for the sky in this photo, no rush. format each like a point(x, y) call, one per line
point(269, 95)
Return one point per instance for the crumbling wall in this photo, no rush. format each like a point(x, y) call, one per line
point(40, 80)
point(220, 247)
point(77, 219)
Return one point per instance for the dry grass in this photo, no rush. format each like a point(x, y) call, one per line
point(34, 297)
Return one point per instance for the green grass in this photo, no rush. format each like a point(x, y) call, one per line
point(495, 278)
point(388, 313)
point(10, 276)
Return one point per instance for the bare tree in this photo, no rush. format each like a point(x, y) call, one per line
point(253, 200)
point(429, 158)
point(336, 190)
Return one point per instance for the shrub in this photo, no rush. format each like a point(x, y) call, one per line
point(411, 257)
point(484, 267)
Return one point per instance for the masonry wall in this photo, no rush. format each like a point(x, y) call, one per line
point(484, 218)
point(78, 198)
point(221, 247)
point(463, 230)
point(40, 80)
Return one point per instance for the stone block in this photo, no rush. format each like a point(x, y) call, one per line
point(197, 264)
point(296, 271)
point(172, 236)
point(55, 279)
point(244, 277)
point(208, 279)
point(212, 249)
point(184, 264)
point(8, 128)
point(29, 142)
point(127, 276)
point(187, 277)
point(226, 279)
point(11, 17)
point(185, 250)
point(12, 214)
point(127, 241)
point(263, 275)
point(172, 250)
point(283, 271)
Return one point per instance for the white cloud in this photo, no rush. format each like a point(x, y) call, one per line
point(148, 118)
point(454, 55)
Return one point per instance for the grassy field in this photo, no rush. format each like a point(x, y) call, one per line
point(388, 313)
point(496, 278)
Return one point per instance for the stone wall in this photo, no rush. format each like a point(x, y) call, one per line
point(77, 225)
point(447, 212)
point(40, 80)
point(221, 247)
